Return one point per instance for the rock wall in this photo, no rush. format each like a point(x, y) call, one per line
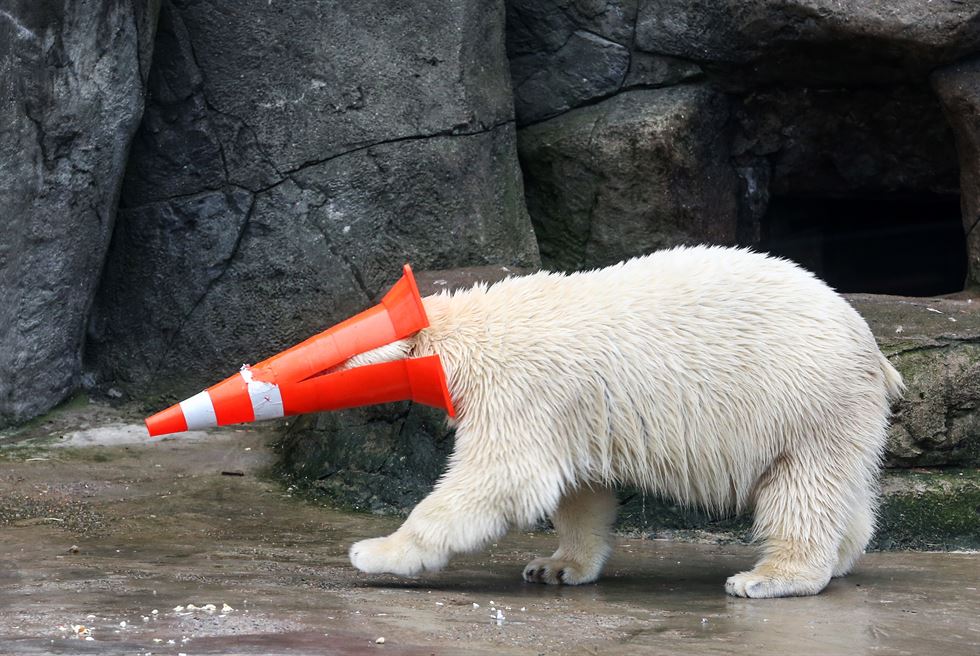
point(72, 77)
point(291, 158)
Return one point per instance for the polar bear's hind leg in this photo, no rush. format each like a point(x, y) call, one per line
point(860, 528)
point(800, 517)
point(584, 522)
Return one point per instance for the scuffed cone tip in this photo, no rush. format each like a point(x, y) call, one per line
point(199, 412)
point(167, 421)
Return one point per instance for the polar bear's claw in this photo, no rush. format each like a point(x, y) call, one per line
point(554, 571)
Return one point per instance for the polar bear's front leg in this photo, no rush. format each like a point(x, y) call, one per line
point(445, 523)
point(473, 504)
point(584, 522)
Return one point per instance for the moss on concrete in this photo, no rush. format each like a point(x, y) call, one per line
point(641, 513)
point(930, 510)
point(20, 453)
point(921, 509)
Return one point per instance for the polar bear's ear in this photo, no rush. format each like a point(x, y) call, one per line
point(397, 350)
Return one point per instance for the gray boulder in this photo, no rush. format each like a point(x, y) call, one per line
point(71, 94)
point(830, 102)
point(586, 66)
point(292, 158)
point(545, 25)
point(644, 170)
point(566, 53)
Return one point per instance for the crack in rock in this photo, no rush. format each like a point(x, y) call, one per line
point(226, 265)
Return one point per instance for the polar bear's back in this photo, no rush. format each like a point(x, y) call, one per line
point(731, 302)
point(687, 371)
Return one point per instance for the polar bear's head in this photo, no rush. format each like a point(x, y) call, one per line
point(395, 351)
point(420, 344)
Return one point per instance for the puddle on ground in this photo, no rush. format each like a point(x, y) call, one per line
point(121, 434)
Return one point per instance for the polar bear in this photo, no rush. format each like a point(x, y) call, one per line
point(719, 377)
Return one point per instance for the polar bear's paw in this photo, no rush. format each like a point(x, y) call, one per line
point(557, 571)
point(758, 585)
point(396, 554)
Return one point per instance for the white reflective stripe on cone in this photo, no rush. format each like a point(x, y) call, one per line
point(266, 398)
point(199, 411)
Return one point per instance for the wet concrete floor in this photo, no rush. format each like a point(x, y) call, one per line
point(124, 539)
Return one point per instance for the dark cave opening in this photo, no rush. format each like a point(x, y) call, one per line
point(909, 245)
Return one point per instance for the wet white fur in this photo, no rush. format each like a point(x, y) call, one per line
point(720, 378)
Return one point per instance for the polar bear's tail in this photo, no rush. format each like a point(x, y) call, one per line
point(894, 385)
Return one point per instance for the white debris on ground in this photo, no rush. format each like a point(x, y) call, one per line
point(210, 609)
point(83, 631)
point(497, 614)
point(77, 630)
point(379, 641)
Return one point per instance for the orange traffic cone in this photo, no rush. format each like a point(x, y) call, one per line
point(293, 381)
